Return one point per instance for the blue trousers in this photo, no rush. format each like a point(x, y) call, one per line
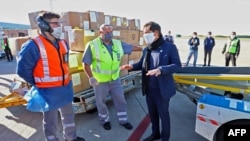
point(191, 53)
point(158, 109)
point(50, 121)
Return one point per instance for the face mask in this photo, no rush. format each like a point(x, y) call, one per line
point(149, 38)
point(107, 37)
point(194, 36)
point(57, 31)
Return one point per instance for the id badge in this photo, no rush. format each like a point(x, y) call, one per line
point(66, 58)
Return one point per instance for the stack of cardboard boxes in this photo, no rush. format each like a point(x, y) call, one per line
point(81, 27)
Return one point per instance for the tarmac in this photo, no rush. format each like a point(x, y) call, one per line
point(19, 124)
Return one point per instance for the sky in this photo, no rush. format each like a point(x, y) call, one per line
point(221, 17)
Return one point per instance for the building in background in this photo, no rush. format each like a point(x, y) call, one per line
point(14, 30)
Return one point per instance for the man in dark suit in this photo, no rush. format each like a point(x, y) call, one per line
point(158, 63)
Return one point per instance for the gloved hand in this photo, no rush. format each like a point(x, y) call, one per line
point(155, 72)
point(93, 82)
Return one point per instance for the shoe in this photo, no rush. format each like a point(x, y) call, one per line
point(204, 65)
point(77, 139)
point(152, 138)
point(107, 125)
point(127, 126)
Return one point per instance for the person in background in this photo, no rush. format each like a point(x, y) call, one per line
point(101, 61)
point(209, 44)
point(231, 49)
point(6, 47)
point(169, 38)
point(193, 43)
point(158, 63)
point(43, 62)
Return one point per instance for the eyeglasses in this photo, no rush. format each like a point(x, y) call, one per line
point(55, 23)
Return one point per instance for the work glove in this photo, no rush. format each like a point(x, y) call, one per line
point(93, 82)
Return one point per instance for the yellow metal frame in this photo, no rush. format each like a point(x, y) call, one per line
point(185, 79)
point(13, 99)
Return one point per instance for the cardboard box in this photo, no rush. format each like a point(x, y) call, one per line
point(75, 19)
point(107, 19)
point(16, 44)
point(75, 62)
point(121, 35)
point(96, 19)
point(142, 42)
point(134, 24)
point(133, 37)
point(124, 23)
point(33, 33)
point(78, 38)
point(90, 35)
point(32, 18)
point(75, 39)
point(80, 81)
point(135, 55)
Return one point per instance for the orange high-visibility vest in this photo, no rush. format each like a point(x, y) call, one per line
point(51, 70)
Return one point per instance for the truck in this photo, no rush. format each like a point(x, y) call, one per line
point(221, 95)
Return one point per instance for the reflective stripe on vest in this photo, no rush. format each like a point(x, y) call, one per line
point(44, 57)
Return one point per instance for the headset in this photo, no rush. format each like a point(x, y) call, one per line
point(43, 25)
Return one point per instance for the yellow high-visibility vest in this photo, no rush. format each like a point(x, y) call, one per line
point(104, 67)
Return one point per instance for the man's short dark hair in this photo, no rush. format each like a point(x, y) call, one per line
point(153, 26)
point(49, 15)
point(233, 33)
point(209, 33)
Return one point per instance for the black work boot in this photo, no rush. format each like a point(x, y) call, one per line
point(77, 139)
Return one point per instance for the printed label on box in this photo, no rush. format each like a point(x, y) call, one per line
point(73, 61)
point(118, 22)
point(137, 23)
point(107, 20)
point(85, 24)
point(67, 28)
point(76, 80)
point(71, 36)
point(116, 33)
point(92, 16)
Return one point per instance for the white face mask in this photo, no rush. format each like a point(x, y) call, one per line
point(57, 32)
point(149, 38)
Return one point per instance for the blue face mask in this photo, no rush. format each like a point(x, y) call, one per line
point(107, 37)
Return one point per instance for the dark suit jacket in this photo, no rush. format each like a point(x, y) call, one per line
point(169, 63)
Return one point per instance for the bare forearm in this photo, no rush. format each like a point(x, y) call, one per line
point(88, 70)
point(136, 48)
